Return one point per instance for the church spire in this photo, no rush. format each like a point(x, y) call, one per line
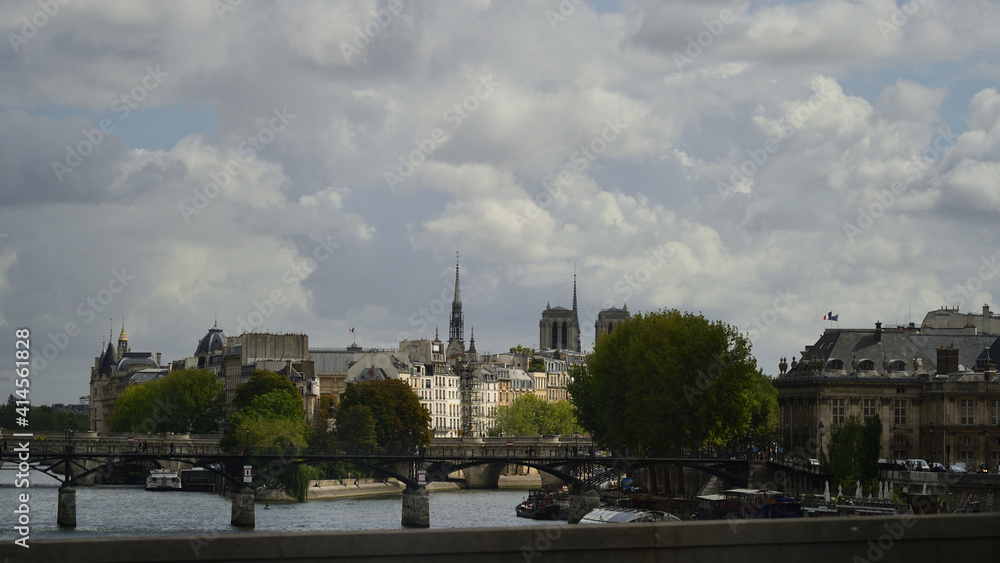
point(574, 289)
point(456, 329)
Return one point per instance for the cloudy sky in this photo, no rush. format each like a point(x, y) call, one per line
point(315, 166)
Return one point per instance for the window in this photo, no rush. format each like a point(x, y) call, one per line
point(897, 365)
point(966, 412)
point(838, 411)
point(866, 365)
point(868, 408)
point(994, 412)
point(899, 412)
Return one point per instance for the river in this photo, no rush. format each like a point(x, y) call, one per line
point(132, 511)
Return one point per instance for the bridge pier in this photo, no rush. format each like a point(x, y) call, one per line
point(486, 476)
point(580, 503)
point(66, 515)
point(243, 509)
point(416, 508)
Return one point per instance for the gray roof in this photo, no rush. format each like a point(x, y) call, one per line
point(332, 361)
point(213, 341)
point(896, 347)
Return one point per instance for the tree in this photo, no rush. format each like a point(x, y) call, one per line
point(671, 380)
point(854, 450)
point(271, 420)
point(41, 417)
point(356, 428)
point(400, 420)
point(186, 399)
point(531, 416)
point(261, 381)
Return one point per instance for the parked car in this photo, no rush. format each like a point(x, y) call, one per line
point(938, 467)
point(813, 462)
point(917, 465)
point(957, 467)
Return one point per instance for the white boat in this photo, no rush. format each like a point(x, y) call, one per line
point(163, 480)
point(611, 515)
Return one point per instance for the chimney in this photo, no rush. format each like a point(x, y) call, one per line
point(878, 331)
point(947, 359)
point(158, 355)
point(991, 372)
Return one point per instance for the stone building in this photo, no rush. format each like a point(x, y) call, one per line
point(608, 319)
point(934, 389)
point(559, 328)
point(113, 371)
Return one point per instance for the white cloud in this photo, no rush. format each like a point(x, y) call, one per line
point(310, 214)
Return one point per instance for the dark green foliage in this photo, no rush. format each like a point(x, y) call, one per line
point(186, 399)
point(670, 380)
point(400, 420)
point(261, 381)
point(854, 450)
point(531, 416)
point(42, 417)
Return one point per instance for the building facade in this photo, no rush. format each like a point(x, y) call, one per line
point(934, 389)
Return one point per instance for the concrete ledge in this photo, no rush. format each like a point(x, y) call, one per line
point(900, 538)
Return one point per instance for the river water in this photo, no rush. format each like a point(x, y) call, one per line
point(132, 511)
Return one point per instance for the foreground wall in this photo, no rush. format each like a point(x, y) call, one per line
point(971, 537)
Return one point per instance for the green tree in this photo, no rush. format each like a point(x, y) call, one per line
point(261, 381)
point(356, 428)
point(272, 420)
point(531, 416)
point(184, 399)
point(670, 380)
point(400, 420)
point(854, 450)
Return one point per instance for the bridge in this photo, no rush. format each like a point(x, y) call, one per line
point(572, 461)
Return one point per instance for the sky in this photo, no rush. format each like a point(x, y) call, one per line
point(313, 167)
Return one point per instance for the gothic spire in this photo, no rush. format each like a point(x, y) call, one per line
point(458, 297)
point(574, 288)
point(456, 328)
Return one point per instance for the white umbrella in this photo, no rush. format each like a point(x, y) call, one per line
point(840, 491)
point(826, 492)
point(857, 491)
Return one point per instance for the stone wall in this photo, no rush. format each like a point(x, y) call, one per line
point(899, 538)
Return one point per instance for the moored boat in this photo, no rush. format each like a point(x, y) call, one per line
point(163, 480)
point(543, 504)
point(613, 515)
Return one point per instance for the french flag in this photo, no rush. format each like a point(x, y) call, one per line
point(830, 316)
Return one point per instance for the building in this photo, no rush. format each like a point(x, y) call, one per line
point(933, 387)
point(559, 328)
point(608, 319)
point(113, 371)
point(285, 354)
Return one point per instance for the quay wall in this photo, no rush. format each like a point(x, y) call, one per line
point(897, 538)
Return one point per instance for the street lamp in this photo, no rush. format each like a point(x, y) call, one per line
point(69, 437)
point(246, 444)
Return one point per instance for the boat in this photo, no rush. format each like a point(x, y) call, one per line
point(163, 480)
point(614, 515)
point(543, 504)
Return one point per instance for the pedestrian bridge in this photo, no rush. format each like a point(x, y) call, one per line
point(574, 462)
